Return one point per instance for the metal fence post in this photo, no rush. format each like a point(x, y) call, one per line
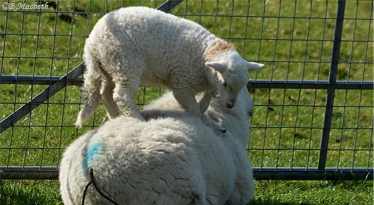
point(331, 85)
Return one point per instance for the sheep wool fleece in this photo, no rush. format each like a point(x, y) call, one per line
point(163, 161)
point(171, 159)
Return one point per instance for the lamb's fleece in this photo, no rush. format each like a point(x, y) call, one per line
point(139, 45)
point(171, 159)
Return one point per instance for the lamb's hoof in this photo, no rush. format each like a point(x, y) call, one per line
point(104, 120)
point(223, 131)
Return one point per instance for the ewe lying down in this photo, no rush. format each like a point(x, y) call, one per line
point(172, 158)
point(139, 45)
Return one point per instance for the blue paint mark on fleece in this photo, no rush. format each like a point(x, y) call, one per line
point(95, 149)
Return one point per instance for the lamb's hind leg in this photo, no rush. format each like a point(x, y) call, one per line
point(124, 95)
point(107, 99)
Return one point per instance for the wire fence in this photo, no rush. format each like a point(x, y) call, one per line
point(313, 100)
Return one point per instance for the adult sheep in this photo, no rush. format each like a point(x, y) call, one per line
point(139, 45)
point(171, 159)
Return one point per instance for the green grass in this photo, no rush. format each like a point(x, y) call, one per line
point(267, 193)
point(30, 193)
point(313, 192)
point(294, 47)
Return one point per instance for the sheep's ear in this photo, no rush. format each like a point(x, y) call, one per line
point(254, 66)
point(216, 66)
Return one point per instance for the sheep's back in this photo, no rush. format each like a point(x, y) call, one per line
point(164, 160)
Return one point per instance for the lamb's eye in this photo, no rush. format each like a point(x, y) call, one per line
point(224, 84)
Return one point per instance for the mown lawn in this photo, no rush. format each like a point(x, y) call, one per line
point(294, 39)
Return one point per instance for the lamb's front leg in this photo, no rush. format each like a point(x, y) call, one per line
point(204, 103)
point(188, 102)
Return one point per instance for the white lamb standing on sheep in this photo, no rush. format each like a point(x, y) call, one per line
point(139, 45)
point(171, 159)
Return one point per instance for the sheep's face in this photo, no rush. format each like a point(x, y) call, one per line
point(233, 76)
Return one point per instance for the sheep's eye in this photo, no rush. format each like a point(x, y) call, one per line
point(224, 84)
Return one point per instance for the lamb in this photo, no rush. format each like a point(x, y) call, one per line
point(141, 46)
point(170, 159)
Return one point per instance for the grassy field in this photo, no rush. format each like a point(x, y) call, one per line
point(295, 42)
point(267, 193)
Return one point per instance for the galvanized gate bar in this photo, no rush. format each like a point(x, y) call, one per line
point(311, 84)
point(332, 85)
point(36, 80)
point(29, 172)
point(313, 174)
point(169, 5)
point(289, 84)
point(51, 172)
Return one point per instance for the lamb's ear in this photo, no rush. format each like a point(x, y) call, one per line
point(216, 66)
point(254, 66)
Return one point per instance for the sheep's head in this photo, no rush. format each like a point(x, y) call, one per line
point(235, 120)
point(233, 76)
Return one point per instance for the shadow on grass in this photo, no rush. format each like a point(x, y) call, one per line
point(272, 201)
